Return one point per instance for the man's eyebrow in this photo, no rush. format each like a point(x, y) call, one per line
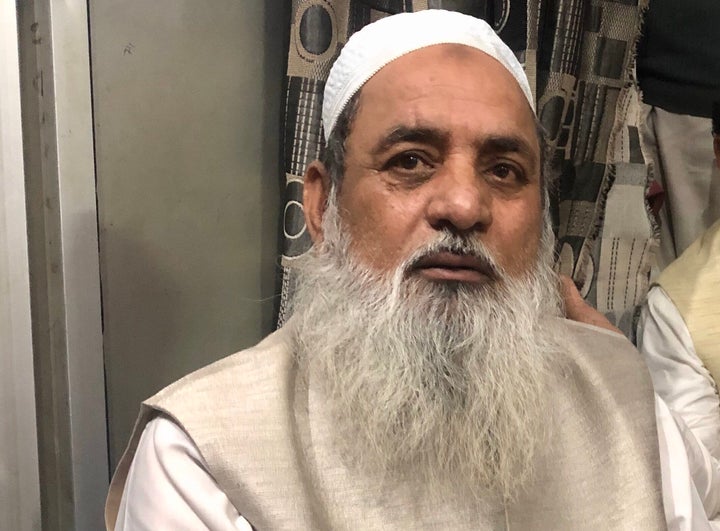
point(425, 135)
point(495, 144)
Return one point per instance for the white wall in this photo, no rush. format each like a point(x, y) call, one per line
point(19, 490)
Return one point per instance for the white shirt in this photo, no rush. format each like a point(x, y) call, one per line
point(678, 375)
point(169, 486)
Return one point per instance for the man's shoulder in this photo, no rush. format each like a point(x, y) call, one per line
point(593, 342)
point(236, 377)
point(219, 407)
point(602, 357)
point(592, 336)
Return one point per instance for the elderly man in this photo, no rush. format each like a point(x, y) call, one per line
point(426, 379)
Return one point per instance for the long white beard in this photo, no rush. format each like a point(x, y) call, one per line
point(445, 383)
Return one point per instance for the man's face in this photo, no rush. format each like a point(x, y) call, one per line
point(442, 163)
point(443, 139)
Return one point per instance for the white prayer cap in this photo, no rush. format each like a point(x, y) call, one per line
point(381, 42)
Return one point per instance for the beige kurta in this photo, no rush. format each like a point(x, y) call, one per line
point(693, 284)
point(267, 440)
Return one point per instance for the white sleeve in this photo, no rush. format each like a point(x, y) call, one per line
point(690, 476)
point(678, 375)
point(169, 487)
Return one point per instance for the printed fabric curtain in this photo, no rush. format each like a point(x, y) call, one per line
point(579, 57)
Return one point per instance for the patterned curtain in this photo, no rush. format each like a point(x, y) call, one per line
point(579, 55)
point(589, 102)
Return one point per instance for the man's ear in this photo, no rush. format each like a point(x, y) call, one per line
point(316, 188)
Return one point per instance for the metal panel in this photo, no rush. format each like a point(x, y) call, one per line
point(187, 129)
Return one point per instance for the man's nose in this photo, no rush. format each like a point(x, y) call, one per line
point(461, 199)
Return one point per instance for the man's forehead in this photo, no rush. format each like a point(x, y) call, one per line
point(414, 70)
point(421, 98)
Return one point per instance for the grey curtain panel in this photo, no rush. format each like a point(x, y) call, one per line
point(579, 57)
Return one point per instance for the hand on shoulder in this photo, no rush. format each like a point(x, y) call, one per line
point(578, 310)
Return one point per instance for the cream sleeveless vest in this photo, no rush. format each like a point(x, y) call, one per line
point(267, 440)
point(693, 284)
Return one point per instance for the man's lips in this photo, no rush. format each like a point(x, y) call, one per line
point(455, 267)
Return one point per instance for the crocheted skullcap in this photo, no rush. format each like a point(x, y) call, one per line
point(381, 42)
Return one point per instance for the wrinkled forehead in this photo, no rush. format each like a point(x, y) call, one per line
point(450, 71)
point(390, 38)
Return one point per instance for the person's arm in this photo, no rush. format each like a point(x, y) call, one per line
point(169, 487)
point(678, 375)
point(690, 476)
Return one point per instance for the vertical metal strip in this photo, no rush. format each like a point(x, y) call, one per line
point(19, 483)
point(64, 261)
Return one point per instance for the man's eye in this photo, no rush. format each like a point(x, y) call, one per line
point(502, 171)
point(407, 161)
point(410, 168)
point(508, 173)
